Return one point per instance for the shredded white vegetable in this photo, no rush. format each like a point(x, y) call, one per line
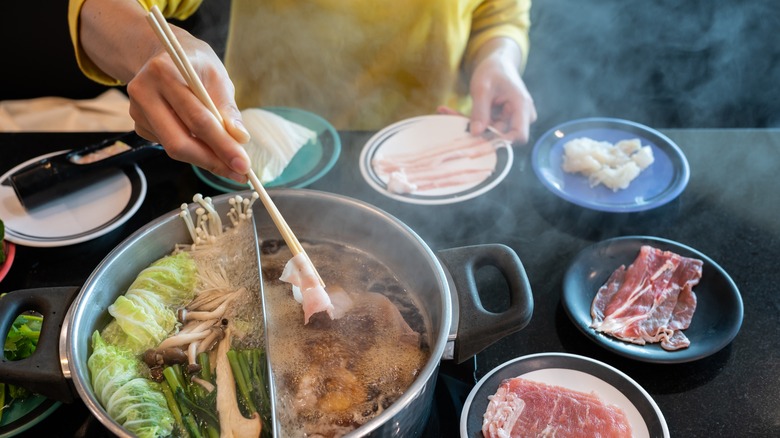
point(274, 142)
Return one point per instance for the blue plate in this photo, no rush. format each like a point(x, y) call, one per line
point(715, 323)
point(660, 183)
point(311, 163)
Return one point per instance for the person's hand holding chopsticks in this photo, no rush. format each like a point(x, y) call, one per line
point(163, 107)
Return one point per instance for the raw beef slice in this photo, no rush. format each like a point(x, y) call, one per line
point(651, 301)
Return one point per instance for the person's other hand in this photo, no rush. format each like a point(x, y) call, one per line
point(500, 98)
point(166, 111)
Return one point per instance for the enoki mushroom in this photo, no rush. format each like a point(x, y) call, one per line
point(202, 321)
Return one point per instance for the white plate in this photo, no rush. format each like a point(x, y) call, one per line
point(80, 216)
point(575, 372)
point(420, 133)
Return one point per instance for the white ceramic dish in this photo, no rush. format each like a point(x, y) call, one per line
point(80, 216)
point(424, 133)
point(575, 372)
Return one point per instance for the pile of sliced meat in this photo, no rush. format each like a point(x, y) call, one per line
point(651, 301)
point(453, 163)
point(525, 408)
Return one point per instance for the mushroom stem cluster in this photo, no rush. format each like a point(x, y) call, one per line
point(207, 225)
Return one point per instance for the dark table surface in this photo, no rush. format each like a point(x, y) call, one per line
point(729, 211)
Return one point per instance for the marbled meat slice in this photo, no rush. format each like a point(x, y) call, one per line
point(651, 301)
point(525, 408)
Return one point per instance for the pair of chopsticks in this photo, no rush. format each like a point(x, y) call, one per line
point(176, 52)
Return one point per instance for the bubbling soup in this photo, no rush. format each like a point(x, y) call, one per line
point(332, 376)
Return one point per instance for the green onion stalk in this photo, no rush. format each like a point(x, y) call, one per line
point(194, 408)
point(250, 373)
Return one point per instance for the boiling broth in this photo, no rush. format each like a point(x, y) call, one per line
point(332, 376)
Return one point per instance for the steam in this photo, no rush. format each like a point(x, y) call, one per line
point(672, 63)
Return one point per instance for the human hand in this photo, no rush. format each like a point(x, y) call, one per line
point(500, 98)
point(167, 111)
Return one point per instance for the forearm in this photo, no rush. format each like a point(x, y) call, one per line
point(499, 48)
point(116, 37)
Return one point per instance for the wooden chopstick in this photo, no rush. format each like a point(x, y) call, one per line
point(176, 52)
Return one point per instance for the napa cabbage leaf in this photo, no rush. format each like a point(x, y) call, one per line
point(145, 314)
point(133, 401)
point(140, 324)
point(171, 279)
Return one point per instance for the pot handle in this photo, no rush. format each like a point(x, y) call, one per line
point(41, 373)
point(478, 328)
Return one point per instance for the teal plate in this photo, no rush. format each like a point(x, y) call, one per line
point(311, 162)
point(26, 413)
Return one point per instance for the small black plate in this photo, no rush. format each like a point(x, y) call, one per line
point(715, 322)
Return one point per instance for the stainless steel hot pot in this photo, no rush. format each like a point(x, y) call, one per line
point(444, 282)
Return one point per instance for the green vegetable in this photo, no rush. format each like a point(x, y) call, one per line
point(249, 372)
point(18, 392)
point(172, 405)
point(171, 279)
point(20, 343)
point(138, 404)
point(23, 337)
point(205, 366)
point(196, 408)
point(241, 376)
point(145, 314)
point(142, 324)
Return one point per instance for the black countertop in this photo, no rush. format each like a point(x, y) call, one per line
point(729, 211)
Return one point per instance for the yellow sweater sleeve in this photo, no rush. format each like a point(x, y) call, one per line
point(177, 9)
point(500, 18)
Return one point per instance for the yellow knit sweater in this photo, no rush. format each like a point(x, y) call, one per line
point(361, 64)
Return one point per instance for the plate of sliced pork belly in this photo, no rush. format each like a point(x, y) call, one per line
point(652, 299)
point(434, 160)
point(559, 394)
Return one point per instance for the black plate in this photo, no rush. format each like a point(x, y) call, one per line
point(574, 372)
point(715, 322)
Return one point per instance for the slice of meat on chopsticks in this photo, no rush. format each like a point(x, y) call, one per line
point(300, 272)
point(650, 301)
